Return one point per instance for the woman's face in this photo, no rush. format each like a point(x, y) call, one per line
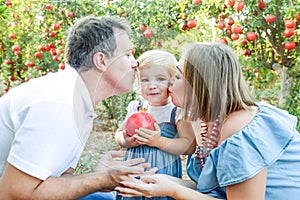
point(176, 87)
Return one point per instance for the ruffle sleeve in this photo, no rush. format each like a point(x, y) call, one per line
point(247, 152)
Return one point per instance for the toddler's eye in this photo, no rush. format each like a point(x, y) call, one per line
point(161, 79)
point(144, 80)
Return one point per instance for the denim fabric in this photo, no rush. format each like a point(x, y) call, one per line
point(165, 162)
point(99, 196)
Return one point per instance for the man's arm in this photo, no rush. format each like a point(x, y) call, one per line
point(16, 184)
point(68, 173)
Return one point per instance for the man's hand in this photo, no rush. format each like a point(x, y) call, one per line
point(115, 170)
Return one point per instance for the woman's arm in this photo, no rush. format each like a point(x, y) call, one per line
point(184, 182)
point(184, 193)
point(159, 185)
point(253, 188)
point(164, 185)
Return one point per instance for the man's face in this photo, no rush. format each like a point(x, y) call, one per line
point(121, 67)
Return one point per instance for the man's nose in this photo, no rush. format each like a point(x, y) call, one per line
point(134, 63)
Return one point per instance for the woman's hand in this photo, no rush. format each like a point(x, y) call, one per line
point(148, 186)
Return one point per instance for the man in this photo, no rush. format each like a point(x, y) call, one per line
point(44, 123)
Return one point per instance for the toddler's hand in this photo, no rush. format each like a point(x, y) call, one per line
point(148, 137)
point(130, 141)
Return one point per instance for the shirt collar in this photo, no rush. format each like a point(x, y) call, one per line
point(81, 88)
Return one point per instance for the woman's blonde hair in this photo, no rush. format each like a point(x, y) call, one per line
point(216, 86)
point(157, 57)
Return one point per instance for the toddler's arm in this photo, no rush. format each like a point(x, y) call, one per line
point(123, 139)
point(184, 144)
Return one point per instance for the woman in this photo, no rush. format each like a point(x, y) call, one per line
point(249, 150)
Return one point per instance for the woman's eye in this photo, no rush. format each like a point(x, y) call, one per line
point(177, 76)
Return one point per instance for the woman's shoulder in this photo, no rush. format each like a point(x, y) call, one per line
point(255, 144)
point(236, 121)
point(263, 118)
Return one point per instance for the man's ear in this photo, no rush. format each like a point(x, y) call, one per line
point(98, 60)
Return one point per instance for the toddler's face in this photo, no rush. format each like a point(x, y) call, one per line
point(154, 85)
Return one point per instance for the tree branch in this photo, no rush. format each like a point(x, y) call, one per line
point(278, 14)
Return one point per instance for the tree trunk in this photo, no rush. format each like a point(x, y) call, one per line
point(285, 85)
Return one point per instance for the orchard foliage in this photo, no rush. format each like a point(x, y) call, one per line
point(32, 38)
point(263, 33)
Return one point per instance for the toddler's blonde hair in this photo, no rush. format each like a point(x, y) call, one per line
point(157, 57)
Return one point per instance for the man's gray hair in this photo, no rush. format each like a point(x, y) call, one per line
point(90, 35)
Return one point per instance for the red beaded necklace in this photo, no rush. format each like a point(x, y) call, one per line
point(210, 137)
